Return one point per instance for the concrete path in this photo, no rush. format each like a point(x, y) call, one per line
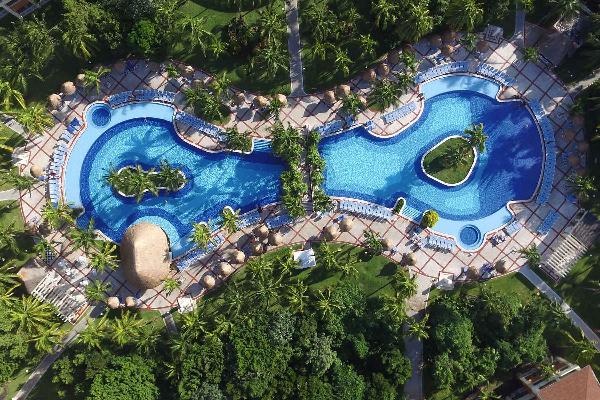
point(519, 36)
point(413, 348)
point(47, 361)
point(11, 123)
point(294, 48)
point(10, 194)
point(569, 312)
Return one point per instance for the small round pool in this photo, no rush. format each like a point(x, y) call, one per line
point(101, 116)
point(470, 235)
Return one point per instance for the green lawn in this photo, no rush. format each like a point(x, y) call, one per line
point(435, 165)
point(10, 214)
point(12, 140)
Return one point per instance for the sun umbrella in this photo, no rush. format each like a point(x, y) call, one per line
point(472, 273)
point(257, 248)
point(435, 41)
point(36, 171)
point(225, 269)
point(282, 98)
point(409, 259)
point(346, 224)
point(238, 257)
point(369, 75)
point(80, 79)
point(113, 302)
point(130, 302)
point(54, 101)
point(500, 266)
point(209, 281)
point(329, 97)
point(387, 243)
point(261, 231)
point(68, 88)
point(343, 90)
point(261, 101)
point(330, 232)
point(275, 238)
point(383, 69)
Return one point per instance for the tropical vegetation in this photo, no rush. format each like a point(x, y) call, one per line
point(451, 161)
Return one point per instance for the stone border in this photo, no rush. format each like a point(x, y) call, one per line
point(475, 158)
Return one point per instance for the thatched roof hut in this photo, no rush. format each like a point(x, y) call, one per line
point(383, 69)
point(482, 46)
point(343, 91)
point(369, 75)
point(68, 88)
point(472, 273)
point(346, 224)
point(31, 274)
point(393, 57)
point(435, 41)
point(330, 232)
point(409, 259)
point(239, 98)
point(36, 171)
point(145, 255)
point(257, 248)
point(447, 50)
point(569, 134)
point(225, 268)
point(113, 302)
point(275, 238)
point(387, 243)
point(261, 101)
point(208, 281)
point(54, 101)
point(188, 71)
point(237, 257)
point(329, 97)
point(198, 83)
point(80, 79)
point(449, 37)
point(500, 266)
point(282, 98)
point(261, 231)
point(130, 302)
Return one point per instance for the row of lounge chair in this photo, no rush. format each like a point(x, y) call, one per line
point(366, 209)
point(513, 227)
point(550, 148)
point(277, 221)
point(201, 125)
point(248, 219)
point(195, 255)
point(443, 69)
point(399, 112)
point(58, 159)
point(491, 72)
point(143, 95)
point(438, 242)
point(332, 127)
point(548, 223)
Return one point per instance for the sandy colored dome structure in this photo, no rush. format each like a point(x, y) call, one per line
point(130, 302)
point(225, 269)
point(387, 243)
point(343, 91)
point(68, 88)
point(145, 255)
point(282, 98)
point(54, 101)
point(482, 46)
point(208, 281)
point(261, 231)
point(346, 224)
point(261, 101)
point(409, 259)
point(239, 98)
point(113, 303)
point(330, 232)
point(36, 171)
point(275, 239)
point(80, 79)
point(329, 97)
point(369, 75)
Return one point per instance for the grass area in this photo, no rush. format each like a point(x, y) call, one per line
point(10, 215)
point(12, 140)
point(435, 163)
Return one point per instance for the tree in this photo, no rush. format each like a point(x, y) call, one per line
point(95, 332)
point(93, 79)
point(130, 375)
point(297, 296)
point(104, 257)
point(320, 356)
point(125, 329)
point(9, 96)
point(396, 366)
point(170, 285)
point(46, 340)
point(584, 187)
point(429, 219)
point(31, 316)
point(147, 339)
point(97, 290)
point(57, 215)
point(464, 14)
point(270, 60)
point(351, 104)
point(531, 54)
point(394, 308)
point(584, 349)
point(477, 137)
point(419, 329)
point(75, 33)
point(143, 38)
point(325, 304)
point(469, 41)
point(342, 61)
point(8, 279)
point(197, 35)
point(385, 93)
point(419, 21)
point(531, 254)
point(237, 140)
point(564, 9)
point(405, 284)
point(372, 242)
point(8, 238)
point(231, 219)
point(386, 13)
point(12, 177)
point(84, 238)
point(34, 119)
point(347, 384)
point(201, 235)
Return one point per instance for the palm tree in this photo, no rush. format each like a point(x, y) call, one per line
point(10, 95)
point(147, 339)
point(46, 340)
point(464, 14)
point(235, 299)
point(420, 21)
point(84, 238)
point(454, 156)
point(78, 39)
point(34, 118)
point(270, 60)
point(325, 303)
point(93, 79)
point(197, 34)
point(297, 297)
point(216, 46)
point(328, 257)
point(97, 290)
point(8, 279)
point(125, 329)
point(342, 61)
point(411, 64)
point(95, 332)
point(487, 393)
point(418, 329)
point(170, 284)
point(584, 349)
point(367, 45)
point(201, 235)
point(286, 263)
point(531, 254)
point(351, 104)
point(8, 238)
point(56, 216)
point(259, 267)
point(170, 177)
point(469, 41)
point(584, 187)
point(477, 137)
point(222, 325)
point(404, 81)
point(564, 9)
point(394, 308)
point(104, 257)
point(220, 84)
point(266, 289)
point(386, 13)
point(531, 54)
point(30, 315)
point(271, 25)
point(12, 177)
point(231, 219)
point(405, 284)
point(318, 50)
point(384, 94)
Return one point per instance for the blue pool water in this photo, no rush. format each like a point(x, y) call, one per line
point(362, 166)
point(470, 235)
point(214, 180)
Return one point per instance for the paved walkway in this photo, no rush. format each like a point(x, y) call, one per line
point(295, 48)
point(519, 36)
point(569, 312)
point(47, 361)
point(10, 194)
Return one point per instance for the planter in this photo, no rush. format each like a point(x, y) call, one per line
point(441, 181)
point(130, 196)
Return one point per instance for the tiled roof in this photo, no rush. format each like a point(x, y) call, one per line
point(579, 385)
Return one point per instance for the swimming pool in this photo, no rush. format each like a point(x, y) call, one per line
point(215, 180)
point(360, 165)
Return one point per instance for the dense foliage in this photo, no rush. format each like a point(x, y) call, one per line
point(316, 165)
point(429, 219)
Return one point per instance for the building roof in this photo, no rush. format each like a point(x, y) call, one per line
point(578, 385)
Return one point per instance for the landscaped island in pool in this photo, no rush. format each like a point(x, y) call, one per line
point(362, 166)
point(214, 180)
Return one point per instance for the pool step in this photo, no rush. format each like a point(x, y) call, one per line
point(411, 213)
point(262, 145)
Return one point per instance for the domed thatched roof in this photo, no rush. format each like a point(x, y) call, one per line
point(472, 273)
point(383, 69)
point(257, 248)
point(261, 231)
point(36, 171)
point(330, 232)
point(261, 101)
point(113, 302)
point(282, 98)
point(68, 88)
point(500, 266)
point(54, 101)
point(409, 259)
point(239, 98)
point(188, 71)
point(197, 83)
point(363, 100)
point(329, 97)
point(80, 78)
point(343, 90)
point(387, 243)
point(346, 224)
point(208, 281)
point(369, 75)
point(238, 257)
point(393, 56)
point(275, 238)
point(482, 46)
point(145, 255)
point(225, 269)
point(130, 302)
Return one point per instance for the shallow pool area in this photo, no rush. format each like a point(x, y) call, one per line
point(362, 166)
point(129, 137)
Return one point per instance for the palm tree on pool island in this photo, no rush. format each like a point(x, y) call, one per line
point(477, 137)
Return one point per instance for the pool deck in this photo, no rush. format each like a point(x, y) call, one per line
point(532, 81)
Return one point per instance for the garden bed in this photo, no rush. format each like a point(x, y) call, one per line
point(440, 162)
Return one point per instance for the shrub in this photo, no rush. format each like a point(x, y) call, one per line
point(143, 38)
point(429, 219)
point(399, 205)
